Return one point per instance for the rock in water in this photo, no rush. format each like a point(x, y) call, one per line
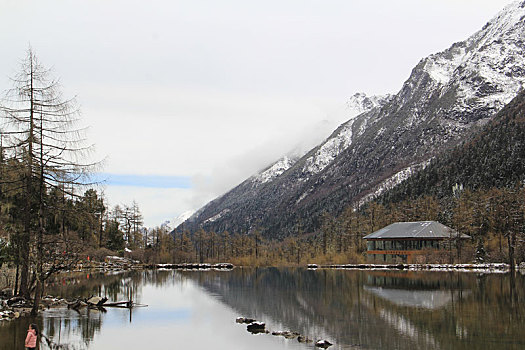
point(286, 334)
point(303, 339)
point(256, 327)
point(244, 320)
point(323, 344)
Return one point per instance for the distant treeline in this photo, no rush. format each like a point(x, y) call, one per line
point(493, 218)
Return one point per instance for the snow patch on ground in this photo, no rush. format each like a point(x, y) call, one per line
point(217, 217)
point(441, 67)
point(394, 180)
point(477, 268)
point(303, 196)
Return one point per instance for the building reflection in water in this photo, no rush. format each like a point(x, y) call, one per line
point(404, 289)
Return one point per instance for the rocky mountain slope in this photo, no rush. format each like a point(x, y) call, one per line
point(446, 95)
point(249, 190)
point(493, 156)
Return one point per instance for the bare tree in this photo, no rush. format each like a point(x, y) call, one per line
point(43, 136)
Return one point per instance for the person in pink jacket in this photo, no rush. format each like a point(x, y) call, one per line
point(32, 333)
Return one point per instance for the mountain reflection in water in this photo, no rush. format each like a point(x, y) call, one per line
point(425, 310)
point(352, 309)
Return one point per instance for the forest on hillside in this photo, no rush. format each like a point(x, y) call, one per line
point(494, 220)
point(475, 188)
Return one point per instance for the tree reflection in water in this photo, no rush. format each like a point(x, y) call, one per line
point(76, 329)
point(353, 309)
point(378, 309)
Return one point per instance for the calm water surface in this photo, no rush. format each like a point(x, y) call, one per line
point(352, 309)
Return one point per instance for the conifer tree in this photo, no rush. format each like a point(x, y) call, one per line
point(43, 136)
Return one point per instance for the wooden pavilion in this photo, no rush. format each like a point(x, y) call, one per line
point(402, 241)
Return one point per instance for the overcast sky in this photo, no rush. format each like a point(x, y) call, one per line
point(186, 99)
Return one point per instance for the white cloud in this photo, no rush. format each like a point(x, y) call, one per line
point(156, 204)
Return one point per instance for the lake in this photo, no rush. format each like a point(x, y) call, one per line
point(352, 309)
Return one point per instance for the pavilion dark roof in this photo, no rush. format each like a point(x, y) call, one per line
point(416, 230)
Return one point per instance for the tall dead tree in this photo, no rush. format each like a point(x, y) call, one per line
point(43, 135)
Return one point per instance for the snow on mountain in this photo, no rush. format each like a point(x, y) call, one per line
point(275, 170)
point(360, 103)
point(218, 216)
point(464, 85)
point(394, 180)
point(329, 149)
point(342, 138)
point(384, 139)
point(496, 55)
point(181, 218)
point(357, 104)
point(487, 68)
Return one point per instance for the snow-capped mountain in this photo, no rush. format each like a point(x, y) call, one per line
point(356, 105)
point(446, 95)
point(248, 191)
point(360, 103)
point(342, 138)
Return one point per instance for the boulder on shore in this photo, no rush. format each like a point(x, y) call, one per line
point(19, 302)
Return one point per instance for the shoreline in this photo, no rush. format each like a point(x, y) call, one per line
point(477, 268)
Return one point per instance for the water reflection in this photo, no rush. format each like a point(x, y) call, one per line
point(353, 309)
point(179, 313)
point(380, 310)
point(406, 289)
point(416, 298)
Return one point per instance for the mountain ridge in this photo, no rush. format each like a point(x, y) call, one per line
point(445, 96)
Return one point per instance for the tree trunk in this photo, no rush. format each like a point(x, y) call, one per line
point(26, 236)
point(38, 292)
point(17, 273)
point(511, 238)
